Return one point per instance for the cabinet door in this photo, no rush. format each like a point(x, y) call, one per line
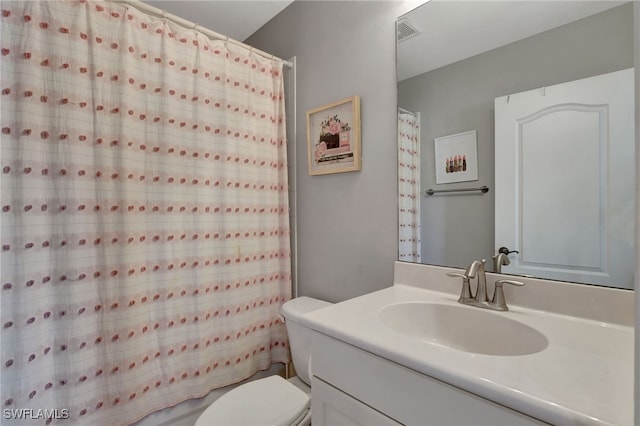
point(361, 380)
point(332, 407)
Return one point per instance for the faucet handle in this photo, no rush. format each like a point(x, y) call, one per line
point(516, 283)
point(498, 301)
point(456, 275)
point(465, 293)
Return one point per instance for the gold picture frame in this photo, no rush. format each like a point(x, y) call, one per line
point(333, 137)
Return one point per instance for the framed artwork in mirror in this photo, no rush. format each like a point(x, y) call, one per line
point(333, 137)
point(456, 158)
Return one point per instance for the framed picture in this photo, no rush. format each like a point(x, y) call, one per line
point(456, 158)
point(333, 137)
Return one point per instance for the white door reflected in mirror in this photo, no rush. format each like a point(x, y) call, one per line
point(564, 161)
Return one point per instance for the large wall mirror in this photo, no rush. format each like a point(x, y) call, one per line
point(534, 101)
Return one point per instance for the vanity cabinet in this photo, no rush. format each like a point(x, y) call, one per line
point(334, 407)
point(351, 386)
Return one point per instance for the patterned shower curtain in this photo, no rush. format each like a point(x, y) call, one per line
point(408, 187)
point(144, 223)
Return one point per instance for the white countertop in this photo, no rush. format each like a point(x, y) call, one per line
point(584, 376)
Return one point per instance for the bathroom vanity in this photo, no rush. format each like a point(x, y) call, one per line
point(410, 354)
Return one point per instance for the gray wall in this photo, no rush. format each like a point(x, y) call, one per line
point(347, 222)
point(457, 229)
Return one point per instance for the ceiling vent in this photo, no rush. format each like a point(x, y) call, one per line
point(406, 30)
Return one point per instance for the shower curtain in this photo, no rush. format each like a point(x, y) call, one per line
point(408, 187)
point(144, 223)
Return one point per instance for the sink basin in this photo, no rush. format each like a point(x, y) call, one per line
point(464, 328)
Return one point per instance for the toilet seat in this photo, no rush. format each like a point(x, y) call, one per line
point(271, 401)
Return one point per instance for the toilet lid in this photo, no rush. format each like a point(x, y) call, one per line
point(271, 401)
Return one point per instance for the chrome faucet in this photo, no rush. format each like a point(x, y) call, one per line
point(480, 299)
point(477, 268)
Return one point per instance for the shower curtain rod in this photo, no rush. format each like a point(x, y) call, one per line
point(406, 111)
point(146, 8)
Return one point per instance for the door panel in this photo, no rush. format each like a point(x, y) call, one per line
point(565, 180)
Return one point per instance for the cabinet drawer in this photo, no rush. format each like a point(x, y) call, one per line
point(333, 407)
point(403, 394)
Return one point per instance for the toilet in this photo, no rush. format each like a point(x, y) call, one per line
point(273, 401)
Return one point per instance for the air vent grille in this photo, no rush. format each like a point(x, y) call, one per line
point(406, 30)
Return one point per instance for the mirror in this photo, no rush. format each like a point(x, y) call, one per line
point(455, 60)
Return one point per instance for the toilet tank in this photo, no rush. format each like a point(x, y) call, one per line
point(300, 335)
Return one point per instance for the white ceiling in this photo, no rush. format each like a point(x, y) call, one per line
point(451, 30)
point(237, 19)
point(455, 30)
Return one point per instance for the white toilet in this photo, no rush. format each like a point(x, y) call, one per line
point(273, 401)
